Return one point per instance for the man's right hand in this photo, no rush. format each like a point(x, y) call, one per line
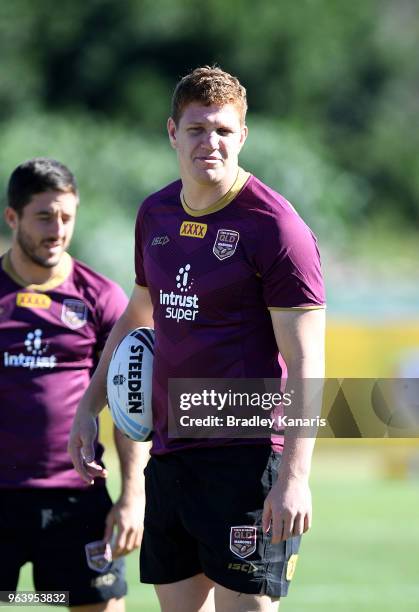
point(81, 448)
point(139, 312)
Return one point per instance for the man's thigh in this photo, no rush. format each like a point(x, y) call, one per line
point(199, 594)
point(194, 594)
point(73, 520)
point(111, 605)
point(62, 522)
point(226, 520)
point(204, 515)
point(168, 554)
point(16, 532)
point(231, 601)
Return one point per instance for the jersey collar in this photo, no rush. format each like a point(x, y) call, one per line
point(234, 190)
point(64, 270)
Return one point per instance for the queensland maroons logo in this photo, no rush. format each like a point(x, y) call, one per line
point(225, 244)
point(98, 555)
point(243, 540)
point(74, 313)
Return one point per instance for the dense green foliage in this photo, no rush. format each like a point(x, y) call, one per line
point(331, 87)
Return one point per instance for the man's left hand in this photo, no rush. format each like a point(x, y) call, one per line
point(287, 509)
point(127, 515)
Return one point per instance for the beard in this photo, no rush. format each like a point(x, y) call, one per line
point(33, 250)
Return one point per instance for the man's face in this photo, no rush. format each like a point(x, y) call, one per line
point(45, 227)
point(208, 140)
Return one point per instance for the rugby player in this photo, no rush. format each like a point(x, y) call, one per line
point(231, 275)
point(55, 316)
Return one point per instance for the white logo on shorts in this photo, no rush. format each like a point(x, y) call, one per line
point(98, 555)
point(243, 540)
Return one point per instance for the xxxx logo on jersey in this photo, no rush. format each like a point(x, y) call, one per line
point(193, 230)
point(33, 300)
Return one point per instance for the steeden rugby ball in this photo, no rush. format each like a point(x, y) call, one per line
point(129, 384)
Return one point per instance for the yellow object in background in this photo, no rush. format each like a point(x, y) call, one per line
point(360, 350)
point(366, 350)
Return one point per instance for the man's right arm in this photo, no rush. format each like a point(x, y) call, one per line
point(138, 313)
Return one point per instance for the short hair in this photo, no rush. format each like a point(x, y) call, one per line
point(35, 176)
point(208, 85)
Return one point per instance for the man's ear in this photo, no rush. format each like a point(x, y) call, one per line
point(243, 134)
point(11, 217)
point(171, 130)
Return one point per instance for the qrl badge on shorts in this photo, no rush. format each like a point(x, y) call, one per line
point(243, 540)
point(225, 244)
point(74, 313)
point(99, 556)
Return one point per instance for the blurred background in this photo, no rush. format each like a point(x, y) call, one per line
point(333, 95)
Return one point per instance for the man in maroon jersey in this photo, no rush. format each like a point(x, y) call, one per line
point(231, 275)
point(55, 316)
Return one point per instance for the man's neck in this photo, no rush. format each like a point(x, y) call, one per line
point(31, 273)
point(200, 197)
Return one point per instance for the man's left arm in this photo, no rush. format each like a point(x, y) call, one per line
point(300, 339)
point(127, 514)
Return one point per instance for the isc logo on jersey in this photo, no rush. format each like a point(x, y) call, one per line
point(129, 384)
point(181, 304)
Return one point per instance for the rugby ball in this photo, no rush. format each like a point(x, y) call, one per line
point(129, 384)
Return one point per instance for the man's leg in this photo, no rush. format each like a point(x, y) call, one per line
point(68, 521)
point(16, 532)
point(194, 594)
point(231, 601)
point(224, 539)
point(224, 515)
point(112, 605)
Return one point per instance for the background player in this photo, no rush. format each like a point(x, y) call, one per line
point(55, 316)
point(223, 517)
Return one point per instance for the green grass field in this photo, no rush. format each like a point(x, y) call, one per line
point(362, 554)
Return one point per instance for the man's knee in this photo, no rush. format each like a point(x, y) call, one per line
point(195, 594)
point(232, 601)
point(112, 605)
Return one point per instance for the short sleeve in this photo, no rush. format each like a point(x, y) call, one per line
point(140, 278)
point(288, 261)
point(112, 304)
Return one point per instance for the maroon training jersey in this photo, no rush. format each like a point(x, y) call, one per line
point(50, 337)
point(213, 275)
